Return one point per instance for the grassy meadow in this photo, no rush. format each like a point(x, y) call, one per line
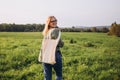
point(86, 56)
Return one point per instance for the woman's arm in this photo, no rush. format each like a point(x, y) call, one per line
point(61, 43)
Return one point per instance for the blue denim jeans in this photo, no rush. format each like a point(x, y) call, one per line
point(57, 67)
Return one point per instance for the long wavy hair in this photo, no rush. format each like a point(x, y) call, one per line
point(47, 26)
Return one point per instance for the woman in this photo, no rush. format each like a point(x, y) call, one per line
point(50, 24)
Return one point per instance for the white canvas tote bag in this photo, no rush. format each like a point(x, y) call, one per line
point(47, 52)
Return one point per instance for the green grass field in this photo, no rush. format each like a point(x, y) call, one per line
point(86, 56)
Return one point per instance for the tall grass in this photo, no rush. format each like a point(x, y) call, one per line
point(90, 56)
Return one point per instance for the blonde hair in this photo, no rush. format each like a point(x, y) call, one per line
point(47, 27)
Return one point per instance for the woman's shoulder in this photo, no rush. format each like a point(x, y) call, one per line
point(55, 33)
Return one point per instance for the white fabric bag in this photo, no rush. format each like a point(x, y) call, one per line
point(48, 49)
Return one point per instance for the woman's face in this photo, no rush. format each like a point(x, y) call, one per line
point(53, 22)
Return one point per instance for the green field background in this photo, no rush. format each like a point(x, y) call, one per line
point(86, 56)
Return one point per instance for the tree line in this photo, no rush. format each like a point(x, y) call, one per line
point(21, 27)
point(114, 29)
point(89, 29)
point(4, 27)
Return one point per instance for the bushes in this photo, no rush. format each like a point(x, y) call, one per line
point(72, 41)
point(88, 44)
point(114, 30)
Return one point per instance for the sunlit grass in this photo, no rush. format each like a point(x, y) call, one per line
point(91, 56)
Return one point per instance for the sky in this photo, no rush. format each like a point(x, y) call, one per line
point(68, 12)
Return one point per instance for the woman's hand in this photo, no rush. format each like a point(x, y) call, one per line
point(48, 21)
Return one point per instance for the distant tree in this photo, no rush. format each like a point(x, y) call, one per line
point(114, 29)
point(104, 29)
point(94, 29)
point(88, 30)
point(81, 30)
point(73, 27)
